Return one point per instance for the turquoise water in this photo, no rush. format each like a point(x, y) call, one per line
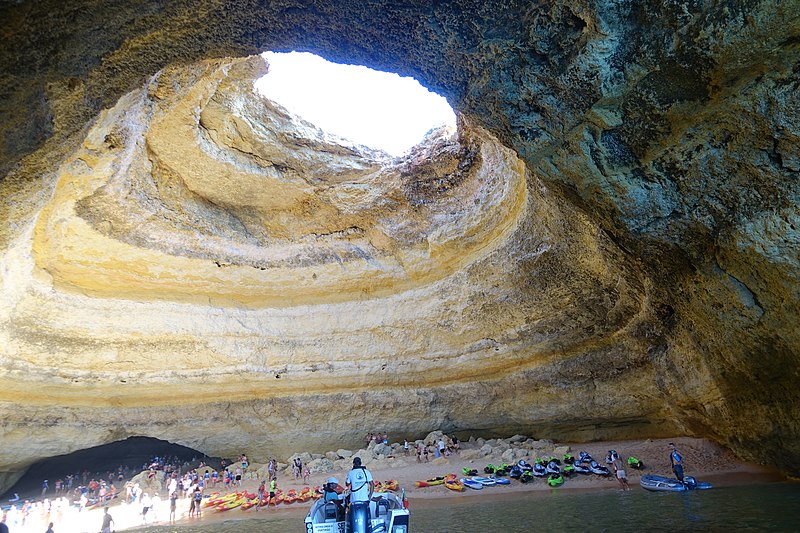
point(772, 507)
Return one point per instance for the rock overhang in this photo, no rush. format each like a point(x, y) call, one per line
point(606, 110)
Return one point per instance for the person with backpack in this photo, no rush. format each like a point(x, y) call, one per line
point(360, 483)
point(197, 498)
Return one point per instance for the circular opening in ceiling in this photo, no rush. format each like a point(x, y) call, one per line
point(377, 109)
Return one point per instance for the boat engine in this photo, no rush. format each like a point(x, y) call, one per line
point(358, 520)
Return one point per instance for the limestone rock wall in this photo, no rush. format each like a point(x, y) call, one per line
point(175, 260)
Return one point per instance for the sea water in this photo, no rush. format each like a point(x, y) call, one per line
point(770, 507)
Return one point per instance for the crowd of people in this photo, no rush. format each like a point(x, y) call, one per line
point(444, 447)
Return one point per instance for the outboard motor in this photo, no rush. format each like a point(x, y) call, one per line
point(358, 519)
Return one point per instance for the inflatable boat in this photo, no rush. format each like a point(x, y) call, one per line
point(666, 484)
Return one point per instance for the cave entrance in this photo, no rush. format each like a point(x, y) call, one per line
point(132, 455)
point(377, 109)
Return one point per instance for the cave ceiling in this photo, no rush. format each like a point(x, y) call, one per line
point(607, 246)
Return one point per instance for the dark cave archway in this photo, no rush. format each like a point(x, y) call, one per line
point(133, 454)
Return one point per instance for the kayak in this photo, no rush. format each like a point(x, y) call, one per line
point(485, 481)
point(231, 505)
point(666, 484)
point(391, 484)
point(304, 495)
point(581, 468)
point(471, 484)
point(430, 482)
point(500, 480)
point(214, 501)
point(454, 484)
point(599, 469)
point(248, 504)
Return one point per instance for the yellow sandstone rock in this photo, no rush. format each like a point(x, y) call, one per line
point(216, 272)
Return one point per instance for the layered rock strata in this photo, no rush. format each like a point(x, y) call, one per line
point(650, 247)
point(209, 261)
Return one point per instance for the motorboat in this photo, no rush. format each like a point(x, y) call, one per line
point(385, 513)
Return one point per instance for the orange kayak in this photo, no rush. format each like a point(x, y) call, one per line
point(248, 504)
point(216, 499)
point(231, 505)
point(454, 484)
point(430, 482)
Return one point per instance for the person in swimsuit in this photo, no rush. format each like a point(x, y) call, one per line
point(619, 468)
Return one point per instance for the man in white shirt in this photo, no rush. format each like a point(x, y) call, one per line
point(360, 483)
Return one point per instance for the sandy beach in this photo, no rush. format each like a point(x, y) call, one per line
point(703, 459)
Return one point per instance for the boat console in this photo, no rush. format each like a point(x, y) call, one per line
point(385, 513)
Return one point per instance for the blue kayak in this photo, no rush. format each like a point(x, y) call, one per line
point(471, 484)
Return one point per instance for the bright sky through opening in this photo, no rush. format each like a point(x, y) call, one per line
point(377, 109)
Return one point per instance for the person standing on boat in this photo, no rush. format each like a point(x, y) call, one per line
point(360, 483)
point(677, 461)
point(333, 493)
